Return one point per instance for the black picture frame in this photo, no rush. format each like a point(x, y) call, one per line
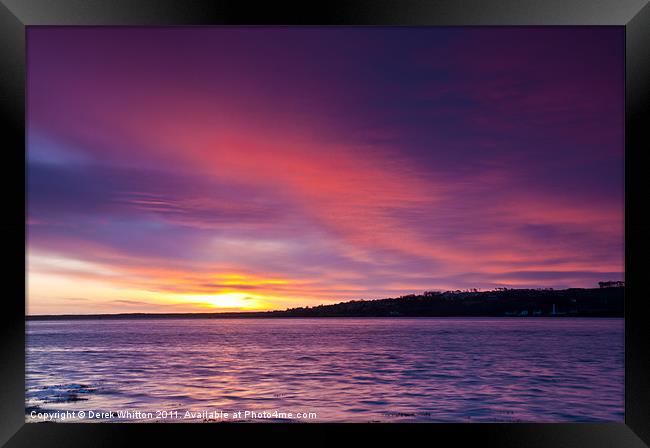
point(634, 15)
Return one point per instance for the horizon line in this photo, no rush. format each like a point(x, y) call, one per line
point(252, 312)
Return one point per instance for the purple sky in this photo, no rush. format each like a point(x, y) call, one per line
point(263, 168)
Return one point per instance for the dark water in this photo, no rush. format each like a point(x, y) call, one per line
point(356, 370)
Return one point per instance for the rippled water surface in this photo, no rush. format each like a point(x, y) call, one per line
point(356, 370)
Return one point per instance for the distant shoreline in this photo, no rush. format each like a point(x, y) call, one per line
point(199, 316)
point(573, 302)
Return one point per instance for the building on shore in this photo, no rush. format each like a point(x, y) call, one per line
point(617, 284)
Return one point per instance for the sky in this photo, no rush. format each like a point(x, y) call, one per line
point(233, 169)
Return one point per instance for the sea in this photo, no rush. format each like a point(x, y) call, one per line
point(511, 369)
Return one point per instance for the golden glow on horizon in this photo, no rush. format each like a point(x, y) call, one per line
point(56, 283)
point(238, 300)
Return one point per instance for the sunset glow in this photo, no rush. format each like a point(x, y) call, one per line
point(224, 169)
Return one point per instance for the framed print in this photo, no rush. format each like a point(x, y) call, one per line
point(354, 218)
